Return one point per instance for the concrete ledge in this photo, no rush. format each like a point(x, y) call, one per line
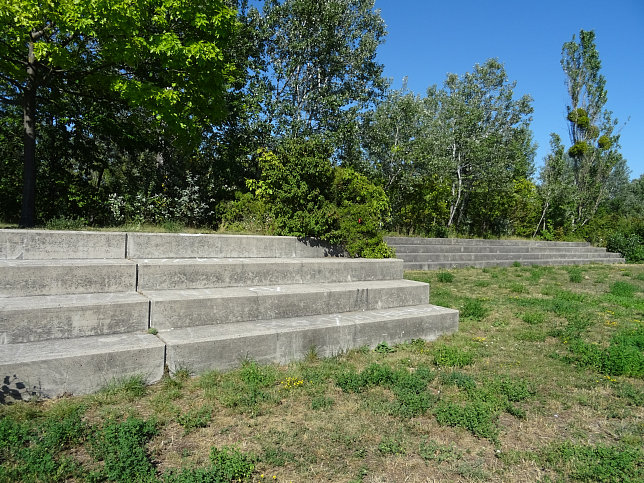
point(483, 257)
point(186, 308)
point(83, 365)
point(49, 244)
point(505, 263)
point(417, 249)
point(169, 245)
point(401, 240)
point(200, 349)
point(50, 277)
point(31, 319)
point(212, 273)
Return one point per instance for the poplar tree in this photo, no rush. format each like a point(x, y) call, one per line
point(593, 154)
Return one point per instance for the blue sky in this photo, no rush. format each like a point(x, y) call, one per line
point(428, 39)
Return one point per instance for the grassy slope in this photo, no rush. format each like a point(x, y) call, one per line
point(543, 381)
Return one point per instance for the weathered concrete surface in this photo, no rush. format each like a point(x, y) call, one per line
point(171, 274)
point(505, 263)
point(483, 257)
point(436, 253)
point(31, 319)
point(168, 245)
point(402, 249)
point(50, 244)
point(402, 240)
point(82, 365)
point(20, 278)
point(186, 308)
point(200, 349)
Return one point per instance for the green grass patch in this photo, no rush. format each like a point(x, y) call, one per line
point(445, 277)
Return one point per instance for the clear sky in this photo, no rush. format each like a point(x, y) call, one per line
point(428, 39)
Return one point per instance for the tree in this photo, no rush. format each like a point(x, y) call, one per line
point(163, 59)
point(320, 66)
point(593, 154)
point(391, 135)
point(479, 141)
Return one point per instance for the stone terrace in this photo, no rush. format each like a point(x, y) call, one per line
point(79, 310)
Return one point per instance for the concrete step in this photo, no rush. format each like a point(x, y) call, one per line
point(482, 257)
point(50, 277)
point(171, 309)
point(185, 245)
point(204, 348)
point(505, 263)
point(49, 244)
point(394, 241)
point(172, 274)
point(55, 245)
point(404, 249)
point(37, 318)
point(82, 365)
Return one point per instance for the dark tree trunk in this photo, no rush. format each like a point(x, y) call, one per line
point(28, 215)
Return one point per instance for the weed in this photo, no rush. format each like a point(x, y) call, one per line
point(153, 331)
point(640, 276)
point(195, 418)
point(477, 417)
point(452, 356)
point(631, 394)
point(433, 451)
point(623, 289)
point(276, 456)
point(516, 264)
point(321, 402)
point(533, 318)
point(516, 287)
point(594, 463)
point(445, 277)
point(130, 387)
point(227, 465)
point(575, 275)
point(391, 446)
point(383, 348)
point(474, 309)
point(458, 379)
point(121, 447)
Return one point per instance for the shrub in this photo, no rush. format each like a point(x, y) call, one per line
point(304, 195)
point(630, 245)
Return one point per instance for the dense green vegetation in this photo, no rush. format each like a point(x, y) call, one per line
point(278, 120)
point(543, 381)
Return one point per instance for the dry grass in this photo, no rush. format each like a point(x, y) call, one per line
point(515, 327)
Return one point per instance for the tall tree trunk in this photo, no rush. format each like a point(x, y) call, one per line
point(28, 214)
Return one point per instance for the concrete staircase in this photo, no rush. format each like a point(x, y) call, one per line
point(81, 309)
point(436, 253)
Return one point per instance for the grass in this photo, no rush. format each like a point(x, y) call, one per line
point(543, 381)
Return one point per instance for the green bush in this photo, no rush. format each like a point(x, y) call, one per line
point(631, 246)
point(299, 192)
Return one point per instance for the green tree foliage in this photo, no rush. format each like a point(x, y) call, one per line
point(320, 66)
point(455, 158)
point(576, 182)
point(162, 61)
point(301, 193)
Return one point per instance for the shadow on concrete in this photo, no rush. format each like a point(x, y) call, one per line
point(13, 390)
